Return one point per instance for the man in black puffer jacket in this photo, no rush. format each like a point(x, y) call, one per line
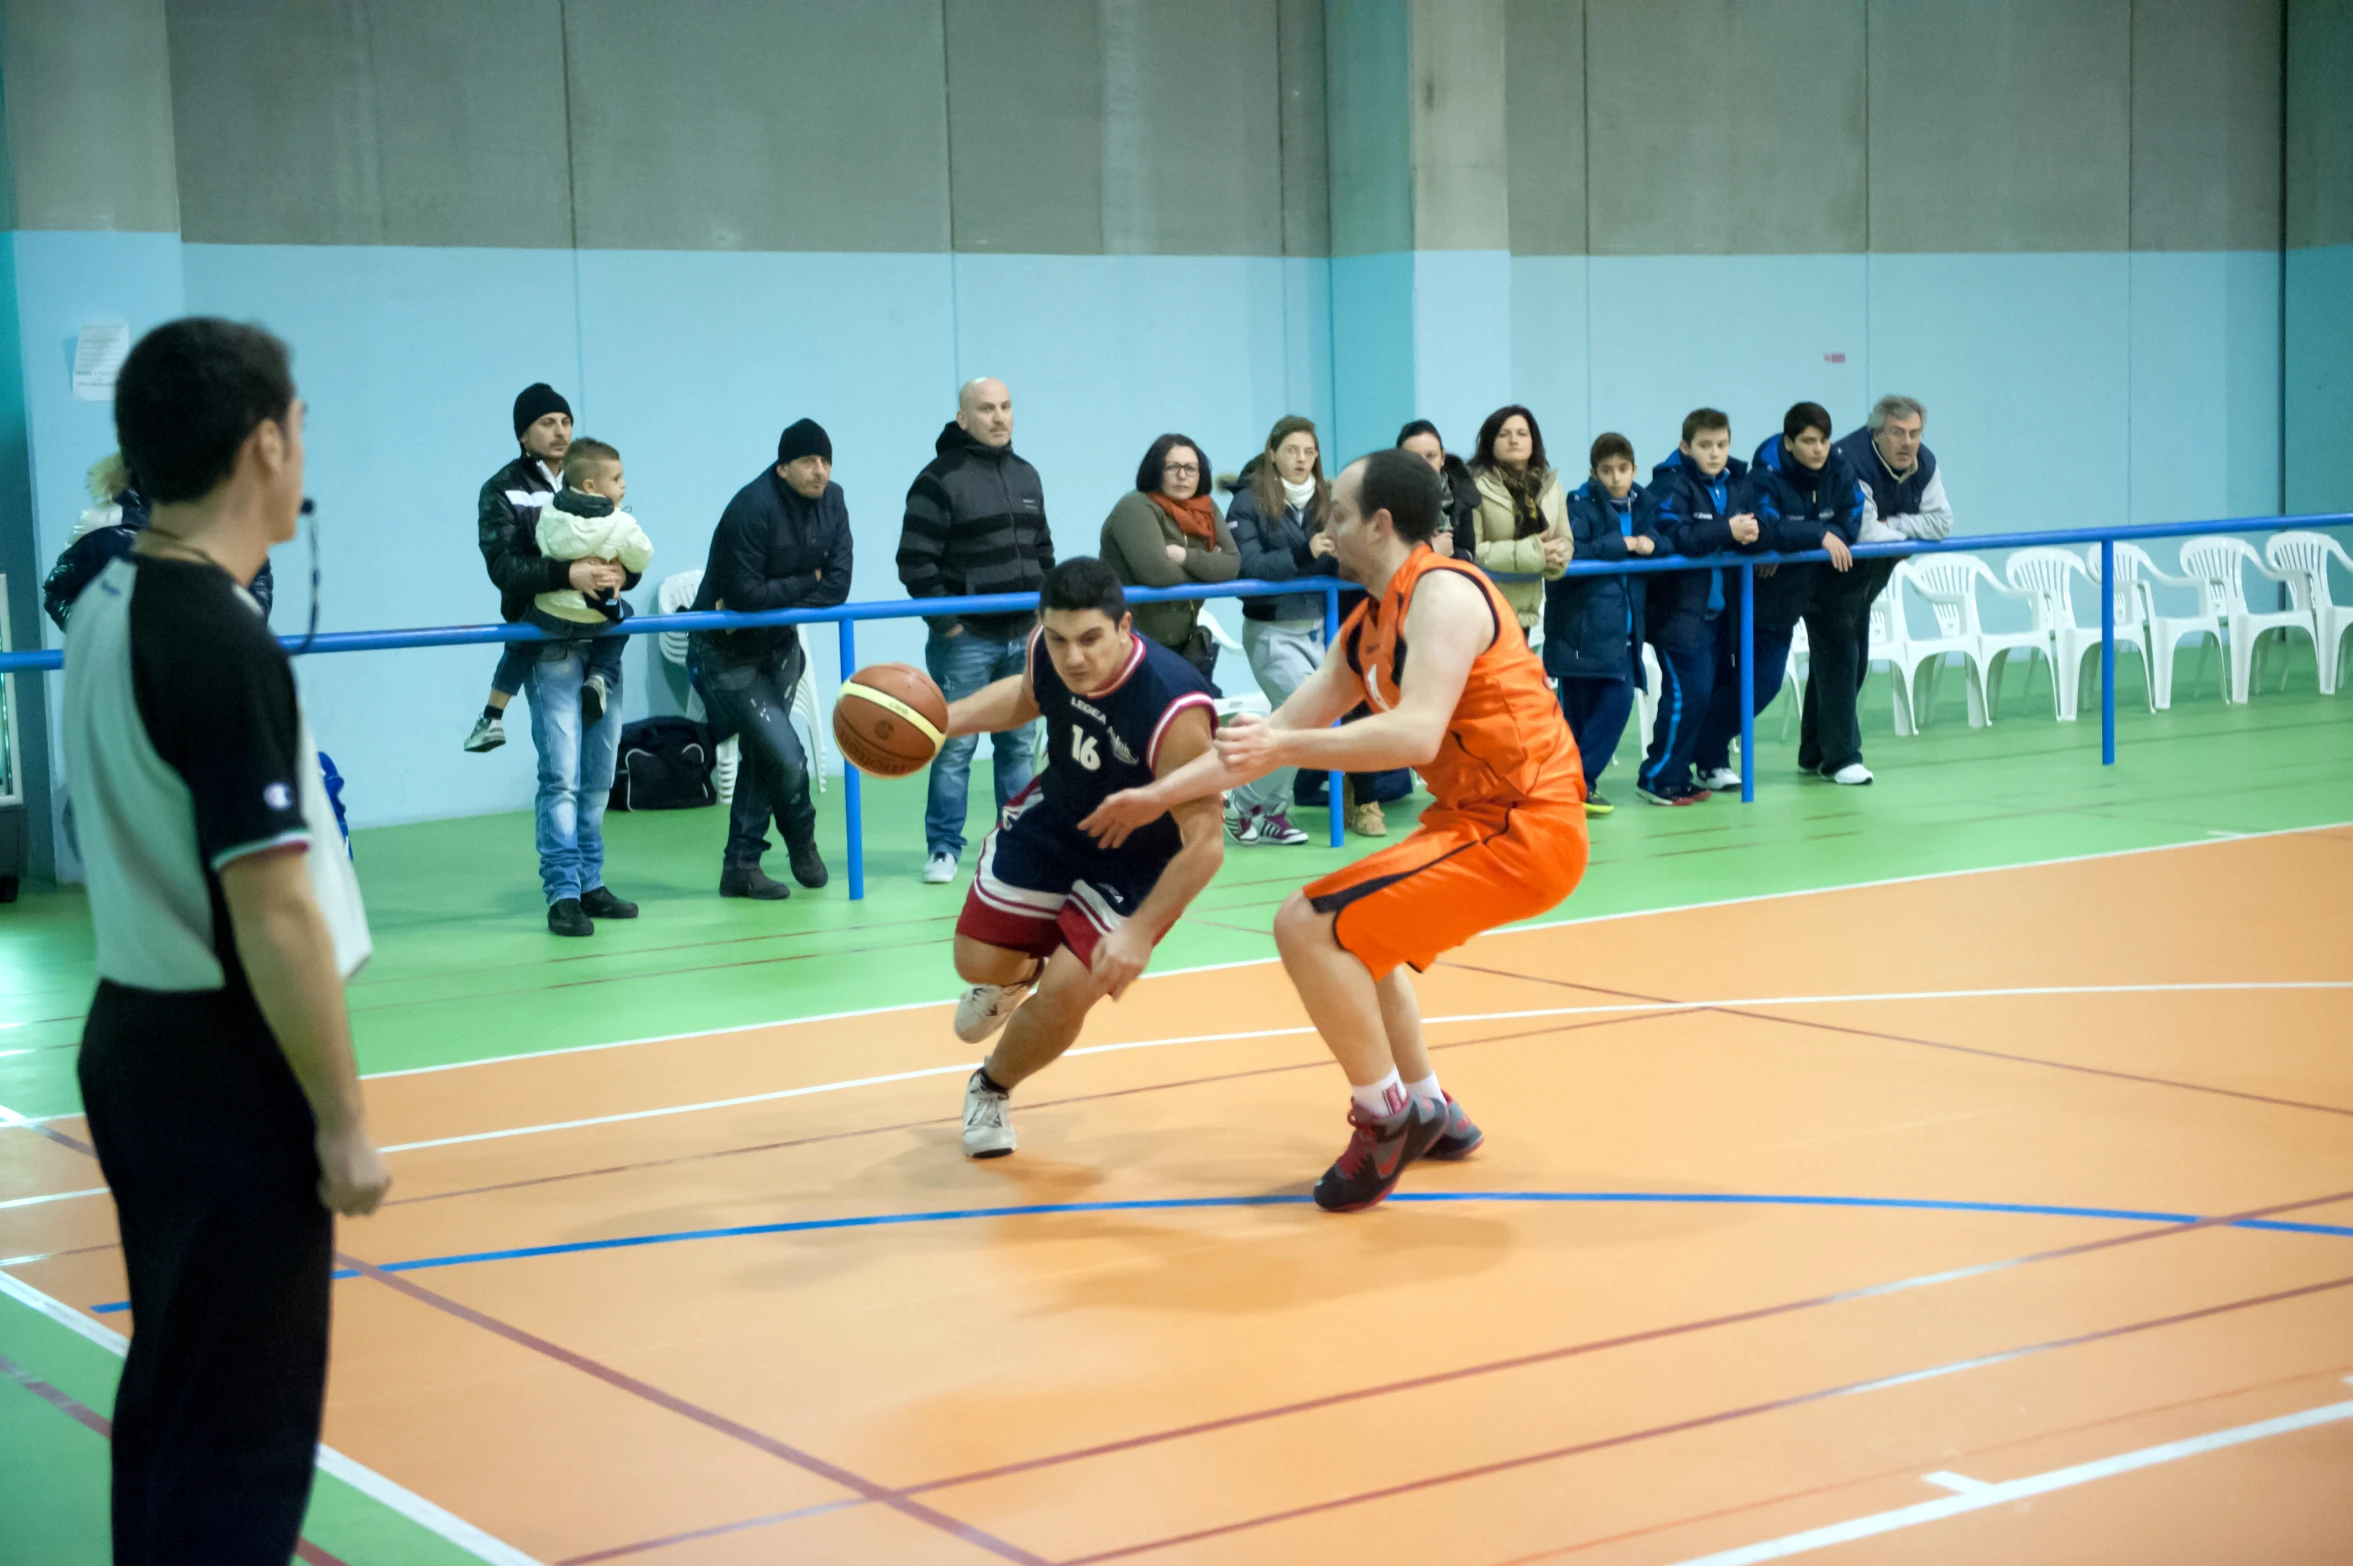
point(976, 523)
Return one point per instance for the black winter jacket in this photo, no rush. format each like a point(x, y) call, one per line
point(1275, 550)
point(79, 563)
point(506, 525)
point(774, 548)
point(1797, 505)
point(1693, 516)
point(1592, 624)
point(1462, 508)
point(975, 523)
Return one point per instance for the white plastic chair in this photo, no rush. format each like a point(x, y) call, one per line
point(2219, 565)
point(1886, 635)
point(2137, 574)
point(1912, 653)
point(1793, 682)
point(1950, 582)
point(2050, 575)
point(2303, 559)
point(1646, 700)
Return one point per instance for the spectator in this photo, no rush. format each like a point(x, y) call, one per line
point(1458, 532)
point(105, 533)
point(511, 499)
point(975, 524)
point(782, 543)
point(1806, 500)
point(1703, 504)
point(1165, 533)
point(1523, 521)
point(1277, 517)
point(1593, 624)
point(584, 521)
point(575, 756)
point(1903, 498)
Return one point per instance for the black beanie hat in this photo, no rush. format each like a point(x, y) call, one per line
point(536, 402)
point(807, 438)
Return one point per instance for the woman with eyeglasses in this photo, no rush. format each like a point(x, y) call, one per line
point(1166, 532)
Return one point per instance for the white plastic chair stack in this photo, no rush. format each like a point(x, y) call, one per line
point(2138, 575)
point(676, 596)
point(1911, 654)
point(2303, 558)
point(2050, 575)
point(1793, 682)
point(1952, 581)
point(2219, 565)
point(1886, 638)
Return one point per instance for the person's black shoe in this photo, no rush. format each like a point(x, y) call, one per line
point(808, 865)
point(567, 918)
point(751, 881)
point(1377, 1152)
point(599, 903)
point(1462, 1135)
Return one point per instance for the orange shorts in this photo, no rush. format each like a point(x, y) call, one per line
point(1461, 872)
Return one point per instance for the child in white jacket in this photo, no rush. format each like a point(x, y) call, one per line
point(584, 521)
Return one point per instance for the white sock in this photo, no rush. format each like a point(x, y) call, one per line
point(1383, 1098)
point(1426, 1091)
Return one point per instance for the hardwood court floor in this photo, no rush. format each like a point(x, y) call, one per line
point(1787, 1204)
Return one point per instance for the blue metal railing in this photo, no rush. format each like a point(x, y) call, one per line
point(847, 616)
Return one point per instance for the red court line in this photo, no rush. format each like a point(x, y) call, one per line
point(758, 1440)
point(1698, 1422)
point(91, 1419)
point(1905, 1038)
point(1595, 1346)
point(1912, 1470)
point(716, 1531)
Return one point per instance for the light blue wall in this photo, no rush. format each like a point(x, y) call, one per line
point(2320, 377)
point(691, 362)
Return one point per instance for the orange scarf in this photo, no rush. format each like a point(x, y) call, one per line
point(1195, 518)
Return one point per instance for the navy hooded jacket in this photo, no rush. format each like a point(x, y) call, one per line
point(1797, 505)
point(1890, 496)
point(1693, 517)
point(1593, 623)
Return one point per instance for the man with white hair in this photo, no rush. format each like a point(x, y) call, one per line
point(1903, 497)
point(975, 524)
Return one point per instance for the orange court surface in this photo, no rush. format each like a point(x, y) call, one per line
point(2014, 1223)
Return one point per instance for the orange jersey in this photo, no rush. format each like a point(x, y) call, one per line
point(1506, 744)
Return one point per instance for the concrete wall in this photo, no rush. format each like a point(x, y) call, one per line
point(2050, 219)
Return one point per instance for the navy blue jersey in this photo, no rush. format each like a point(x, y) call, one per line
point(1100, 744)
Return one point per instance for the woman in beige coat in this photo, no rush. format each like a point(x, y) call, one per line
point(1523, 520)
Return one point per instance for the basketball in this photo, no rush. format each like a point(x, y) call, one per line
point(890, 719)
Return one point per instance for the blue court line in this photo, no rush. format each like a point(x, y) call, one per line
point(1182, 1203)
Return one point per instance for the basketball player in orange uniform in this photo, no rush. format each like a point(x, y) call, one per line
point(1469, 709)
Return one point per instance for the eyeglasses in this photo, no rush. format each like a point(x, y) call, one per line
point(1183, 469)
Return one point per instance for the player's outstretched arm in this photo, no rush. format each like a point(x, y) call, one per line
point(1320, 700)
point(1005, 704)
point(1449, 624)
point(1121, 955)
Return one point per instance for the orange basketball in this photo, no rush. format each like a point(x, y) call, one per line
point(890, 719)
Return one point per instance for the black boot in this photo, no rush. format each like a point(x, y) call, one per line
point(599, 903)
point(808, 868)
point(566, 918)
point(751, 881)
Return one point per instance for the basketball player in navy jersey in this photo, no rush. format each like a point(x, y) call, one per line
point(1054, 922)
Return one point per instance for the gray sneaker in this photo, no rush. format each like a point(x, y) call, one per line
point(988, 1124)
point(489, 733)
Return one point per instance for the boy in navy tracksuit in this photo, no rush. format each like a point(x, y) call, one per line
point(1593, 624)
point(1702, 503)
point(1806, 498)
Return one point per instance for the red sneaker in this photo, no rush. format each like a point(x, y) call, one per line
point(1377, 1152)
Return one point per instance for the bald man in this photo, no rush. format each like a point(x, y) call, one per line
point(976, 523)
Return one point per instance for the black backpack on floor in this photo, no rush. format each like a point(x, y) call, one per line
point(665, 764)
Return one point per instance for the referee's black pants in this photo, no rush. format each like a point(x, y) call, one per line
point(206, 1142)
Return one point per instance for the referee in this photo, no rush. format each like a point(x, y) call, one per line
point(216, 1067)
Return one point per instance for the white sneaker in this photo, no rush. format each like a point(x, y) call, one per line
point(1852, 774)
point(939, 870)
point(1245, 827)
point(988, 1124)
point(985, 1007)
point(1275, 826)
point(1721, 781)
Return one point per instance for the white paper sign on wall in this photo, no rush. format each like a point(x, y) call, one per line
point(98, 359)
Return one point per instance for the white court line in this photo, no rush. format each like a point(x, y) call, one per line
point(367, 1481)
point(1982, 1496)
point(54, 1196)
point(1623, 1009)
point(1959, 1484)
point(1260, 962)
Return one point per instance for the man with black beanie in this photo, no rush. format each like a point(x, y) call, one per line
point(512, 497)
point(782, 543)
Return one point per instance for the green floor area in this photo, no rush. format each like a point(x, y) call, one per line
point(465, 969)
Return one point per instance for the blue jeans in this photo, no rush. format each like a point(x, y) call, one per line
point(575, 769)
point(514, 664)
point(961, 665)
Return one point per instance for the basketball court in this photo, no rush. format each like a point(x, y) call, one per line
point(2015, 1224)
